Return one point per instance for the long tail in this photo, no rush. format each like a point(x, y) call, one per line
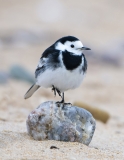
point(31, 91)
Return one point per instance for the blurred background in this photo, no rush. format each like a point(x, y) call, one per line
point(28, 27)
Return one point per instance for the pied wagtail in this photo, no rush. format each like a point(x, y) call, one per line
point(62, 66)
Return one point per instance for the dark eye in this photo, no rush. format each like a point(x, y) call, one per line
point(72, 46)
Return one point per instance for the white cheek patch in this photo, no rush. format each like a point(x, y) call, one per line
point(77, 45)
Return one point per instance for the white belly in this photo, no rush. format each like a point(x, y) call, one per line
point(61, 78)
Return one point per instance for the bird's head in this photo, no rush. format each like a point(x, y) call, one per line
point(71, 44)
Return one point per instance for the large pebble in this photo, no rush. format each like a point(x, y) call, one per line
point(62, 123)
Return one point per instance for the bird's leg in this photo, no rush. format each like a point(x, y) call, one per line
point(62, 96)
point(63, 101)
point(59, 93)
point(54, 89)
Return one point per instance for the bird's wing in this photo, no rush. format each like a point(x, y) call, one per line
point(48, 51)
point(40, 69)
point(48, 60)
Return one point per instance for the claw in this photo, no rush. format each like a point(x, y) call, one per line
point(68, 104)
point(60, 103)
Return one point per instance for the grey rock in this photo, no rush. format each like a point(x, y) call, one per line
point(20, 73)
point(62, 123)
point(4, 77)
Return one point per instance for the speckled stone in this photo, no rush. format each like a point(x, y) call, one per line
point(69, 123)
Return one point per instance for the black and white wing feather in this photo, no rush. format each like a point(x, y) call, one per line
point(49, 60)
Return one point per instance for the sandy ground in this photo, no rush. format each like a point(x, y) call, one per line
point(103, 86)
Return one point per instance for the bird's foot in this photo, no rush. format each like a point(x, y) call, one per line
point(61, 103)
point(56, 90)
point(68, 104)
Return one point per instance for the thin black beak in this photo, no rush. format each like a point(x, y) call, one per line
point(85, 48)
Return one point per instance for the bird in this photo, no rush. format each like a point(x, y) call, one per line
point(62, 67)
